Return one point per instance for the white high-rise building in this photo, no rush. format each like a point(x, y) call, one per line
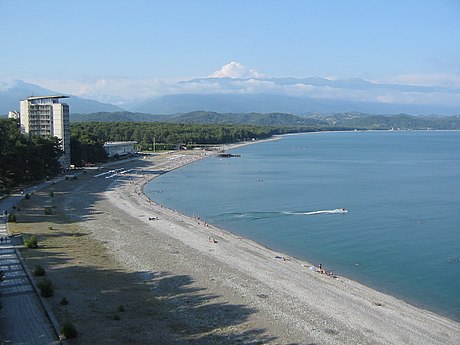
point(46, 116)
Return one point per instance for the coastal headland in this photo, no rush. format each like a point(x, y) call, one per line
point(135, 272)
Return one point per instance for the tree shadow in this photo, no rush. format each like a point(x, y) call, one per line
point(52, 204)
point(111, 306)
point(198, 316)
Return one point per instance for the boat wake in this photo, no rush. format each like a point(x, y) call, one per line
point(263, 215)
point(312, 213)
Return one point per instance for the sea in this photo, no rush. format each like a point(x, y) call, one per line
point(401, 189)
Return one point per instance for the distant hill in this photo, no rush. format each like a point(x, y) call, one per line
point(270, 119)
point(201, 117)
point(352, 120)
point(13, 91)
point(400, 121)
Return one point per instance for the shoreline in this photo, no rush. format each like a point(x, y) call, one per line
point(301, 261)
point(222, 234)
point(229, 291)
point(419, 303)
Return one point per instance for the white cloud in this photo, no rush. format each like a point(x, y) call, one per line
point(235, 70)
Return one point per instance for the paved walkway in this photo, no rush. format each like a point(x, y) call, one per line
point(23, 319)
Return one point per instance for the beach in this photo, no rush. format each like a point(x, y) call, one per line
point(134, 271)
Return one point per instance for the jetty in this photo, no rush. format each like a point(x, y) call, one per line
point(227, 155)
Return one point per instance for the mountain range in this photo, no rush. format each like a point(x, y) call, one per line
point(235, 103)
point(11, 92)
point(300, 96)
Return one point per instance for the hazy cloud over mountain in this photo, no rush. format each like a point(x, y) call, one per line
point(438, 93)
point(13, 90)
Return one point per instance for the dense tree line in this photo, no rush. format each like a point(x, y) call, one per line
point(145, 133)
point(86, 149)
point(25, 159)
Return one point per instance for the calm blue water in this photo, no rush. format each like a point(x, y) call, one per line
point(402, 189)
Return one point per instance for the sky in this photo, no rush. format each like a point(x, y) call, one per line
point(109, 48)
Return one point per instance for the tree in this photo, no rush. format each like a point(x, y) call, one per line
point(25, 159)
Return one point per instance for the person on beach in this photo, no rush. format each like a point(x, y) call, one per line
point(321, 269)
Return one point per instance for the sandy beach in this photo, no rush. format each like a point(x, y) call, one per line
point(135, 272)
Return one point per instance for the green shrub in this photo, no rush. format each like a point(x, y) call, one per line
point(51, 193)
point(46, 288)
point(64, 301)
point(12, 218)
point(121, 308)
point(27, 197)
point(116, 317)
point(39, 271)
point(31, 241)
point(48, 211)
point(68, 330)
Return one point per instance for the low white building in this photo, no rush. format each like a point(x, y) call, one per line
point(119, 148)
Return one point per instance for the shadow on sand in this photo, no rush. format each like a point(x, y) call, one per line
point(87, 188)
point(109, 306)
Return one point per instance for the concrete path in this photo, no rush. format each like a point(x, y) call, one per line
point(23, 318)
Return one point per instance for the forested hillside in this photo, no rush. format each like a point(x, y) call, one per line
point(400, 121)
point(317, 121)
point(202, 117)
